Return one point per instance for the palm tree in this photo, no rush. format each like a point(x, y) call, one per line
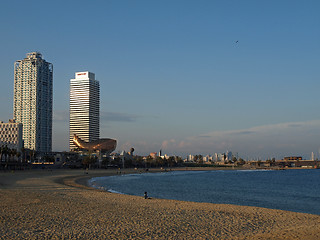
point(10, 154)
point(5, 151)
point(32, 155)
point(23, 151)
point(1, 152)
point(18, 155)
point(13, 153)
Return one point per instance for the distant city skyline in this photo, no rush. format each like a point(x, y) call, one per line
point(187, 77)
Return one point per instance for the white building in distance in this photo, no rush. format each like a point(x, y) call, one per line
point(32, 103)
point(11, 135)
point(84, 108)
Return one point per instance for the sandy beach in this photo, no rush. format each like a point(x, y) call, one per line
point(57, 204)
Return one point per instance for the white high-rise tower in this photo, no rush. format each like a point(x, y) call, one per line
point(84, 107)
point(32, 103)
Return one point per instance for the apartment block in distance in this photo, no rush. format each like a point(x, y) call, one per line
point(32, 103)
point(11, 135)
point(84, 108)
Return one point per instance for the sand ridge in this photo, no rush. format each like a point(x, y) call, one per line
point(57, 205)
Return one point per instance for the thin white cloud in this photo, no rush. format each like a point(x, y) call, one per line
point(63, 116)
point(118, 117)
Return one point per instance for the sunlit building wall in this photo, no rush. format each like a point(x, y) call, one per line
point(84, 108)
point(11, 135)
point(32, 103)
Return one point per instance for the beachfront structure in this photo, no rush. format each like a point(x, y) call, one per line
point(292, 158)
point(32, 103)
point(11, 135)
point(84, 108)
point(104, 145)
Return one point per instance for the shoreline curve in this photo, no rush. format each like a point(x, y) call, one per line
point(60, 204)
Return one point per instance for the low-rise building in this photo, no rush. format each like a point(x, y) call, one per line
point(292, 158)
point(11, 135)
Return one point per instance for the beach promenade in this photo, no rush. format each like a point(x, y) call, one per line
point(56, 204)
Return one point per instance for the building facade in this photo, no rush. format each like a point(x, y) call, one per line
point(84, 108)
point(11, 135)
point(292, 158)
point(32, 103)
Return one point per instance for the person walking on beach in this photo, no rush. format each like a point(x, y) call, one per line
point(145, 195)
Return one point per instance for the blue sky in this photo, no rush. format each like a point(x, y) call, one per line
point(186, 76)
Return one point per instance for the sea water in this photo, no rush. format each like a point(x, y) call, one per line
point(292, 190)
